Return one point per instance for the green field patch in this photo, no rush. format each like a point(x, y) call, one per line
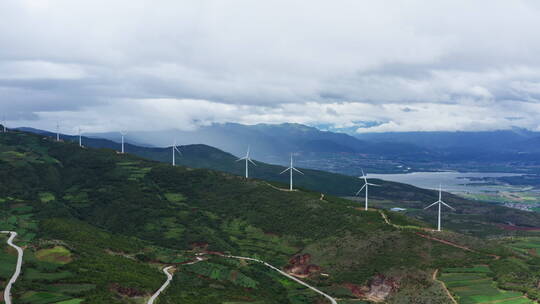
point(127, 163)
point(33, 297)
point(473, 285)
point(451, 277)
point(72, 301)
point(467, 283)
point(175, 197)
point(494, 295)
point(22, 209)
point(517, 301)
point(476, 269)
point(57, 254)
point(526, 245)
point(237, 302)
point(11, 155)
point(70, 289)
point(35, 275)
point(174, 233)
point(253, 240)
point(222, 273)
point(79, 197)
point(7, 262)
point(46, 197)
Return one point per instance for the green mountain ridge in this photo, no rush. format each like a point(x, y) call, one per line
point(390, 195)
point(98, 226)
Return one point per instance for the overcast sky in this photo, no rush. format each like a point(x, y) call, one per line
point(368, 65)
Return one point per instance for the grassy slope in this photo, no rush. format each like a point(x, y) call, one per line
point(91, 200)
point(391, 194)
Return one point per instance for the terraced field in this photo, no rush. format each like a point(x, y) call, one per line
point(475, 286)
point(526, 245)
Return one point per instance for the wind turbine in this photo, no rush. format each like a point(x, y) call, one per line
point(174, 150)
point(4, 124)
point(291, 169)
point(80, 137)
point(123, 133)
point(57, 131)
point(248, 160)
point(366, 186)
point(440, 203)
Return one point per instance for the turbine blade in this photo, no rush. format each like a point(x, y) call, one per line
point(374, 185)
point(249, 159)
point(360, 189)
point(298, 171)
point(448, 205)
point(364, 176)
point(243, 158)
point(431, 205)
point(177, 150)
point(285, 170)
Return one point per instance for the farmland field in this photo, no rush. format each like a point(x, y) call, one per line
point(529, 245)
point(475, 286)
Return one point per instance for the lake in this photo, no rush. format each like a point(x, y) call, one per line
point(450, 181)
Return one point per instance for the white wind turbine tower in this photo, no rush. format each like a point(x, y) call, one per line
point(57, 131)
point(174, 150)
point(123, 133)
point(291, 169)
point(80, 137)
point(366, 186)
point(4, 124)
point(440, 203)
point(248, 160)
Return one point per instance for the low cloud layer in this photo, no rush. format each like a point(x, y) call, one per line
point(375, 66)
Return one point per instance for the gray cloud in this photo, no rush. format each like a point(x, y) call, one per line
point(111, 64)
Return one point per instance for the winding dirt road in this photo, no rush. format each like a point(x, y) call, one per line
point(169, 279)
point(443, 286)
point(165, 285)
point(7, 292)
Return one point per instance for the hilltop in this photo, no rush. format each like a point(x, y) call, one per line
point(471, 217)
point(98, 226)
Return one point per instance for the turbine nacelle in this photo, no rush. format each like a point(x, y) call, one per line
point(174, 151)
point(248, 160)
point(366, 187)
point(440, 202)
point(291, 169)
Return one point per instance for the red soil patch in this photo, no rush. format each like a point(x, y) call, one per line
point(377, 289)
point(299, 266)
point(518, 228)
point(126, 291)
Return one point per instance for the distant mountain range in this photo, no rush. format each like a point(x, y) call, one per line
point(268, 142)
point(501, 141)
point(504, 150)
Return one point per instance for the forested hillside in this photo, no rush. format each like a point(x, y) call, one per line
point(98, 226)
point(481, 219)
